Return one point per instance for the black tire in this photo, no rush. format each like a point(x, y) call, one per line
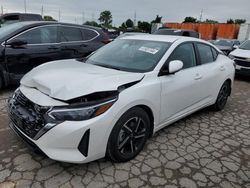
point(222, 97)
point(129, 135)
point(1, 82)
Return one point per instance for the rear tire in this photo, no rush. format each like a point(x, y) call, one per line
point(222, 96)
point(129, 135)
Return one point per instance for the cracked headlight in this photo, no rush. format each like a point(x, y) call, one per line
point(60, 114)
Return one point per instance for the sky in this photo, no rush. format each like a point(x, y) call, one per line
point(79, 11)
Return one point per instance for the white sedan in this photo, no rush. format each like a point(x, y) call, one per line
point(111, 102)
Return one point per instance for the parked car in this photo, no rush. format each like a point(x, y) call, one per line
point(10, 18)
point(226, 45)
point(177, 32)
point(241, 57)
point(110, 103)
point(25, 45)
point(130, 34)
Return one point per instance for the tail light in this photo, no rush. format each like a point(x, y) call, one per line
point(106, 39)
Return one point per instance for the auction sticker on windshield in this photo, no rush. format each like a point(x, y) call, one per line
point(148, 50)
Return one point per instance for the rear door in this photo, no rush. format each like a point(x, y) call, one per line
point(73, 44)
point(42, 46)
point(211, 69)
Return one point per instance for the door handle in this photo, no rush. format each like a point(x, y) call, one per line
point(222, 68)
point(198, 76)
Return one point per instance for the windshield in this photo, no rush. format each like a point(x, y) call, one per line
point(130, 55)
point(6, 30)
point(223, 43)
point(245, 45)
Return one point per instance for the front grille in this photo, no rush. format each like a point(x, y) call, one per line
point(26, 115)
point(242, 63)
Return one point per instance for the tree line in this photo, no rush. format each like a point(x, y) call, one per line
point(105, 21)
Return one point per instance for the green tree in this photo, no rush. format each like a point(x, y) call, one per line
point(129, 23)
point(211, 21)
point(106, 18)
point(239, 21)
point(49, 18)
point(230, 21)
point(144, 26)
point(157, 19)
point(92, 23)
point(190, 19)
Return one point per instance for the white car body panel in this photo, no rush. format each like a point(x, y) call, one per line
point(75, 79)
point(241, 53)
point(169, 97)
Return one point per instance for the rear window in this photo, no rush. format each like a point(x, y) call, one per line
point(89, 34)
point(70, 34)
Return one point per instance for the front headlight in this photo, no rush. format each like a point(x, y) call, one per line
point(79, 113)
point(231, 57)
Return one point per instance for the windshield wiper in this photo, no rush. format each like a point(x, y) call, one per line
point(108, 66)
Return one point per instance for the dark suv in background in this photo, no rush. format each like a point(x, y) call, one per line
point(25, 45)
point(11, 18)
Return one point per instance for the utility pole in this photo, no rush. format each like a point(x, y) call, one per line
point(83, 17)
point(25, 6)
point(59, 15)
point(135, 19)
point(201, 15)
point(93, 16)
point(42, 11)
point(1, 9)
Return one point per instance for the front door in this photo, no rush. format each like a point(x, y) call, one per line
point(180, 91)
point(41, 47)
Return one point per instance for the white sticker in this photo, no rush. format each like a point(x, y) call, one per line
point(148, 50)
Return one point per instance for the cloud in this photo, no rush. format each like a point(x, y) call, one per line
point(146, 10)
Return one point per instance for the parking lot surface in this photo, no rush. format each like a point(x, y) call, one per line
point(206, 149)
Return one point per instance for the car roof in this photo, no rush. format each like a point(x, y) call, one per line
point(161, 38)
point(38, 23)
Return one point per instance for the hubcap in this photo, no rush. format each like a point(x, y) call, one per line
point(131, 136)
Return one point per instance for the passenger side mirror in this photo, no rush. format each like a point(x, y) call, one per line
point(235, 46)
point(175, 66)
point(16, 43)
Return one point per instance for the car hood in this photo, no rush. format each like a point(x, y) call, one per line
point(69, 79)
point(241, 53)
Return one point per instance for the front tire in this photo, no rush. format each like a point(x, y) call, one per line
point(222, 96)
point(129, 135)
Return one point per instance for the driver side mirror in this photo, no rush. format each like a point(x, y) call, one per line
point(175, 66)
point(16, 43)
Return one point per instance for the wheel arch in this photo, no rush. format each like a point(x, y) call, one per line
point(150, 114)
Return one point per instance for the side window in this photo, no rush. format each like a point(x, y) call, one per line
point(184, 53)
point(89, 34)
point(47, 34)
point(205, 52)
point(215, 53)
point(70, 34)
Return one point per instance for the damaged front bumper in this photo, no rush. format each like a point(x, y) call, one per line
point(68, 141)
